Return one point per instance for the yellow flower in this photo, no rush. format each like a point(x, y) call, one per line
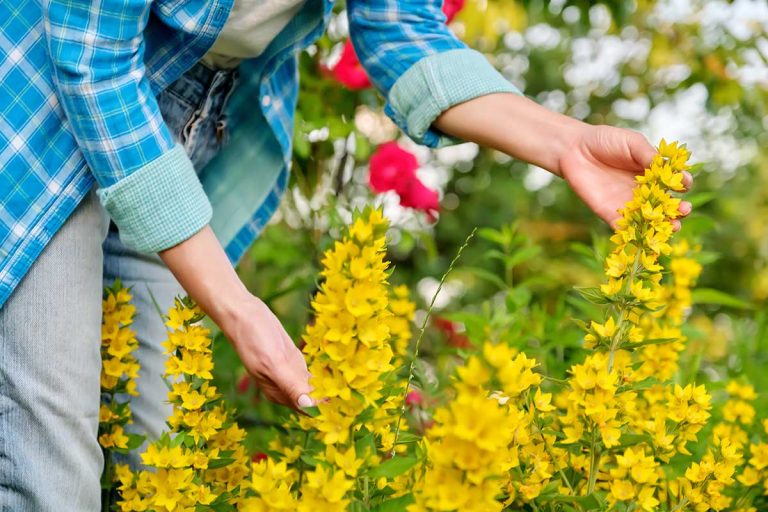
point(622, 490)
point(114, 438)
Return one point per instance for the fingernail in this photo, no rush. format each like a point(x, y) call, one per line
point(305, 401)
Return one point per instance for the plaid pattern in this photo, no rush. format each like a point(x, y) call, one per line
point(78, 80)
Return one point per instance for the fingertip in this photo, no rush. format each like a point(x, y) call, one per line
point(642, 151)
point(685, 207)
point(676, 225)
point(305, 401)
point(687, 180)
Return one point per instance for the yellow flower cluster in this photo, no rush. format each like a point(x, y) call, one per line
point(202, 460)
point(617, 435)
point(606, 441)
point(360, 334)
point(347, 347)
point(119, 368)
point(478, 439)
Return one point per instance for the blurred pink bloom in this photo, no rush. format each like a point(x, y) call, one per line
point(393, 168)
point(451, 329)
point(348, 71)
point(451, 8)
point(414, 398)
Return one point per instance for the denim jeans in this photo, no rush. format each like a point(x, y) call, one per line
point(50, 459)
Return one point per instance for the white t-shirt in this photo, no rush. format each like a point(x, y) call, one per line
point(251, 26)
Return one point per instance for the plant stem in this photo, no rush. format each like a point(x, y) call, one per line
point(594, 462)
point(421, 335)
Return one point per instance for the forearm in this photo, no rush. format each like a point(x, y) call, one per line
point(266, 350)
point(202, 268)
point(514, 125)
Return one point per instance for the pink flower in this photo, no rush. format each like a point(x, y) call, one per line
point(451, 8)
point(393, 168)
point(414, 398)
point(348, 71)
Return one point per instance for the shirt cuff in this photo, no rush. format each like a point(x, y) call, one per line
point(159, 205)
point(436, 83)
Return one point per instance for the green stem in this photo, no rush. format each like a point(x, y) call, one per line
point(594, 462)
point(421, 336)
point(559, 469)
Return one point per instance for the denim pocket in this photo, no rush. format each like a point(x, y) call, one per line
point(176, 113)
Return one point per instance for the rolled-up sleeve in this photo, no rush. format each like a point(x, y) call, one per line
point(419, 65)
point(147, 183)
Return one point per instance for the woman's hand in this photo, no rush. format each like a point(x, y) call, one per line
point(271, 357)
point(202, 268)
point(600, 165)
point(599, 162)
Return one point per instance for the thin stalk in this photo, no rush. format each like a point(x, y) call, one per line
point(421, 335)
point(559, 469)
point(594, 461)
point(683, 503)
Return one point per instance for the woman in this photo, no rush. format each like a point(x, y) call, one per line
point(127, 97)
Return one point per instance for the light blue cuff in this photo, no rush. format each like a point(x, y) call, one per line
point(160, 205)
point(436, 83)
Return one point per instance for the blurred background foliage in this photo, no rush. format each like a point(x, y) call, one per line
point(688, 70)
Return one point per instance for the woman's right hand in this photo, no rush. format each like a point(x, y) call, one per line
point(269, 355)
point(273, 360)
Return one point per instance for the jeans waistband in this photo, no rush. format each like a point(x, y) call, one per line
point(206, 89)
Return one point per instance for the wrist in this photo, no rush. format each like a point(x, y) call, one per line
point(231, 308)
point(540, 136)
point(202, 268)
point(564, 142)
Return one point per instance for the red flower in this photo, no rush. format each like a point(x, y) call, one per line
point(451, 330)
point(414, 398)
point(243, 384)
point(348, 71)
point(451, 8)
point(259, 456)
point(393, 168)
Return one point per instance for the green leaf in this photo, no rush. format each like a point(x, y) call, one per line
point(309, 460)
point(654, 341)
point(584, 326)
point(393, 467)
point(593, 295)
point(492, 235)
point(523, 255)
point(394, 505)
point(220, 462)
point(487, 275)
point(178, 439)
point(716, 297)
point(134, 441)
point(366, 444)
point(701, 198)
point(518, 297)
point(407, 438)
point(588, 502)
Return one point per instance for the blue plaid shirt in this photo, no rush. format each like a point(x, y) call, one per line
point(77, 106)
